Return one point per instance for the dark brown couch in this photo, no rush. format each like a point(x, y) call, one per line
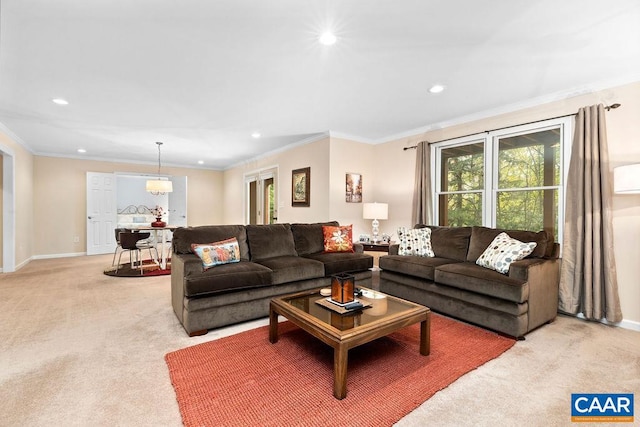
point(276, 259)
point(452, 283)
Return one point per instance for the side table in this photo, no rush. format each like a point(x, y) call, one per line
point(376, 248)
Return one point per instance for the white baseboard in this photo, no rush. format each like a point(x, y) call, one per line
point(50, 256)
point(625, 324)
point(28, 260)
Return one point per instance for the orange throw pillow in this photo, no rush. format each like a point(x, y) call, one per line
point(338, 239)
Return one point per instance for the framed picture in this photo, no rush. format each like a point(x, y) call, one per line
point(301, 187)
point(353, 193)
point(364, 238)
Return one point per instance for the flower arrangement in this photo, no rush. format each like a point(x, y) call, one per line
point(158, 212)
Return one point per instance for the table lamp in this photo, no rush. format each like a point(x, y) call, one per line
point(375, 211)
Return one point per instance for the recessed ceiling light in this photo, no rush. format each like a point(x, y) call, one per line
point(201, 162)
point(256, 135)
point(82, 150)
point(327, 38)
point(60, 101)
point(436, 89)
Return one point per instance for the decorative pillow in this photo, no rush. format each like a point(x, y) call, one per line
point(502, 251)
point(338, 239)
point(222, 252)
point(415, 241)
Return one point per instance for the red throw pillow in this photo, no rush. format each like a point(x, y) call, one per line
point(338, 239)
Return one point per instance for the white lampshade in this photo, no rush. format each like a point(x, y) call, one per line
point(375, 211)
point(159, 186)
point(626, 179)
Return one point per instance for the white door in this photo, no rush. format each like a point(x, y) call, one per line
point(178, 202)
point(101, 212)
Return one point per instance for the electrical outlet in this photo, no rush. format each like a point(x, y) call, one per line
point(76, 239)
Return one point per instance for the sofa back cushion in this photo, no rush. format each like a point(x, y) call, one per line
point(449, 242)
point(272, 240)
point(308, 238)
point(184, 237)
point(481, 238)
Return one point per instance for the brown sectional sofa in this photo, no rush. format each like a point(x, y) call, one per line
point(451, 282)
point(275, 260)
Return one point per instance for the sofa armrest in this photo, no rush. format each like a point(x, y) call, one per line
point(393, 249)
point(543, 277)
point(358, 248)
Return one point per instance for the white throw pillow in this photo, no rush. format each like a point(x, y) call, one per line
point(502, 251)
point(415, 241)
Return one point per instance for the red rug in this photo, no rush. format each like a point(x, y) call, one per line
point(243, 380)
point(150, 268)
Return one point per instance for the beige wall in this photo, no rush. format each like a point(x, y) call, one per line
point(60, 199)
point(314, 155)
point(352, 157)
point(623, 130)
point(330, 159)
point(23, 169)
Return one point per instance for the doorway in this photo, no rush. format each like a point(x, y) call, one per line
point(120, 200)
point(261, 196)
point(8, 210)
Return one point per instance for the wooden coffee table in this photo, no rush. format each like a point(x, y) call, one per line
point(343, 332)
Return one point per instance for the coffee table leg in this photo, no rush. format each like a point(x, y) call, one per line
point(340, 354)
point(273, 325)
point(425, 338)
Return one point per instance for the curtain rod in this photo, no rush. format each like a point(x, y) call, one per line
point(608, 108)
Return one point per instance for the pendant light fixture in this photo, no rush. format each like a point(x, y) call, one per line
point(159, 186)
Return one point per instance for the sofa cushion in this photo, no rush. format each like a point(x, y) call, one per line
point(472, 277)
point(224, 278)
point(184, 237)
point(308, 238)
point(217, 253)
point(502, 251)
point(481, 237)
point(414, 242)
point(422, 267)
point(270, 241)
point(343, 262)
point(338, 238)
point(287, 269)
point(450, 242)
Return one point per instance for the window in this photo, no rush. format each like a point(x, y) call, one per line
point(510, 178)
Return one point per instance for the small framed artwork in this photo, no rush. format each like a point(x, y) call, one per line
point(301, 187)
point(364, 238)
point(353, 193)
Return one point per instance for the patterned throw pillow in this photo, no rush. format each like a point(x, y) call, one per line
point(338, 239)
point(415, 241)
point(502, 251)
point(222, 252)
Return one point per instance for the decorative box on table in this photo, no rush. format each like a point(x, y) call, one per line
point(342, 287)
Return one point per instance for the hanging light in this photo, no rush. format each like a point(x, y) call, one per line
point(159, 186)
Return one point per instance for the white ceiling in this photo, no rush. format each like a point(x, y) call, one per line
point(202, 75)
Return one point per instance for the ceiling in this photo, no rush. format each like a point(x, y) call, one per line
point(202, 76)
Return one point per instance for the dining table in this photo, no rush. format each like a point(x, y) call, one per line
point(160, 235)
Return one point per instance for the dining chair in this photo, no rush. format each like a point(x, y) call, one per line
point(131, 241)
point(117, 232)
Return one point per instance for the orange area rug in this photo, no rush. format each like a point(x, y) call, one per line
point(243, 380)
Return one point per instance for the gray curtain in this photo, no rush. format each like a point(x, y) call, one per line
point(421, 212)
point(588, 283)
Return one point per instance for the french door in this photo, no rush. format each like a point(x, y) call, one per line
point(261, 196)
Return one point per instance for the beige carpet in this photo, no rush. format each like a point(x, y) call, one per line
point(79, 348)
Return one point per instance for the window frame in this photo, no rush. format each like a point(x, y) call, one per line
point(491, 140)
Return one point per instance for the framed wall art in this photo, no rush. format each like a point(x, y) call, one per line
point(301, 187)
point(353, 187)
